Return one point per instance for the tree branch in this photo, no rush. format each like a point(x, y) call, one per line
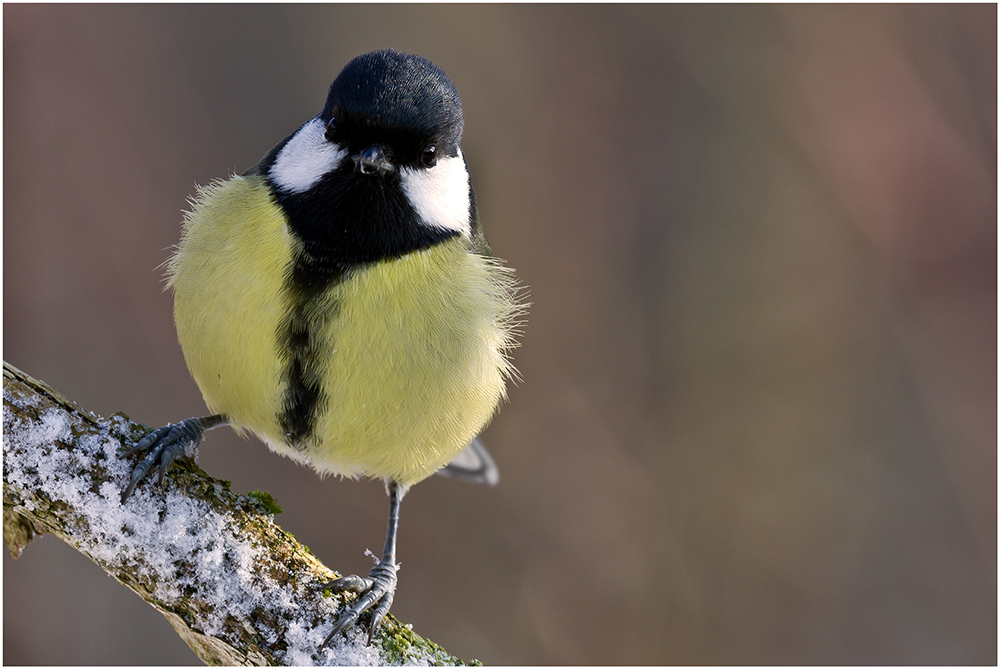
point(235, 586)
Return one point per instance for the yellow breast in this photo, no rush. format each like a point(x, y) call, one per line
point(413, 361)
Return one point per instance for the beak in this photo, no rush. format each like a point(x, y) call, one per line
point(373, 161)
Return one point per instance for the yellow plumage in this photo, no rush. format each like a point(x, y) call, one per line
point(414, 357)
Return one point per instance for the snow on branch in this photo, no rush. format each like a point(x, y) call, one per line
point(235, 586)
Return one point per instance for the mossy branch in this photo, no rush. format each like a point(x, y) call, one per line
point(235, 586)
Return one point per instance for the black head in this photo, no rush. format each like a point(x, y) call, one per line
point(401, 100)
point(379, 172)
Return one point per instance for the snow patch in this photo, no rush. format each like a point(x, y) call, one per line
point(190, 538)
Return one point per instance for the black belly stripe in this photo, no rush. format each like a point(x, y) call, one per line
point(300, 340)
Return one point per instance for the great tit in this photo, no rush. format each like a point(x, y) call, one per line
point(340, 301)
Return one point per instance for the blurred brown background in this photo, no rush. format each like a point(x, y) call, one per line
point(758, 418)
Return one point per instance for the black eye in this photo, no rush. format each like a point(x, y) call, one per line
point(331, 129)
point(429, 156)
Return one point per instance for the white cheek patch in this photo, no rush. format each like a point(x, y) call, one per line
point(440, 194)
point(305, 158)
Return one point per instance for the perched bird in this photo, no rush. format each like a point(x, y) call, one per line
point(339, 300)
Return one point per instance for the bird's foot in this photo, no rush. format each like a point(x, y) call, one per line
point(375, 591)
point(166, 444)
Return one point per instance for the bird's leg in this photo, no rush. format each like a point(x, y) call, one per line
point(376, 590)
point(165, 444)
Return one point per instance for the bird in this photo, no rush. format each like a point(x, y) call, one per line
point(340, 301)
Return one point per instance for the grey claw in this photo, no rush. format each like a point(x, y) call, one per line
point(166, 444)
point(379, 613)
point(377, 591)
point(137, 475)
point(344, 623)
point(169, 454)
point(147, 442)
point(356, 584)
